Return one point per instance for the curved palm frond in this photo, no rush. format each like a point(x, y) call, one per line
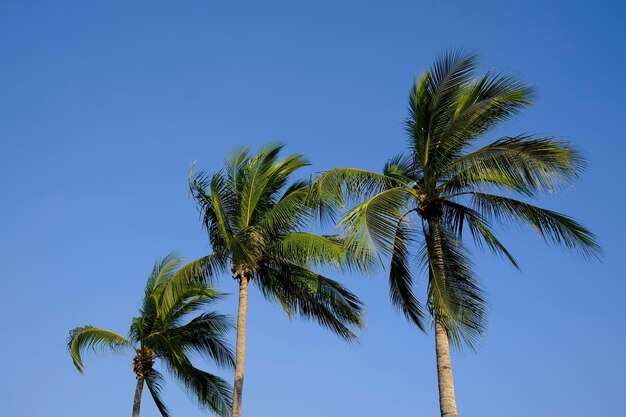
point(290, 213)
point(522, 163)
point(551, 226)
point(308, 249)
point(311, 295)
point(187, 300)
point(162, 273)
point(265, 177)
point(402, 169)
point(401, 279)
point(154, 381)
point(432, 104)
point(218, 208)
point(454, 296)
point(199, 272)
point(210, 391)
point(89, 337)
point(371, 225)
point(205, 335)
point(482, 105)
point(344, 185)
point(457, 215)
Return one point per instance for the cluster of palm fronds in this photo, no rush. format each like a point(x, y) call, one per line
point(420, 207)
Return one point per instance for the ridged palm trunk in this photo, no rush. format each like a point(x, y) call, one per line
point(240, 349)
point(137, 400)
point(447, 399)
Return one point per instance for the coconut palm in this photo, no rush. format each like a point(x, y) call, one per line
point(256, 224)
point(443, 185)
point(163, 332)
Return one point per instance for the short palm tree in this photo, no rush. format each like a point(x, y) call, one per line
point(162, 331)
point(255, 221)
point(425, 198)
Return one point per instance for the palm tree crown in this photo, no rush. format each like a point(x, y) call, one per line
point(443, 185)
point(163, 332)
point(256, 223)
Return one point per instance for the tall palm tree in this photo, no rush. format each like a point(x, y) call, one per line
point(162, 331)
point(256, 225)
point(443, 185)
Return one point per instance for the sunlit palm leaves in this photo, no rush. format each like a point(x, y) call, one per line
point(256, 219)
point(444, 185)
point(170, 330)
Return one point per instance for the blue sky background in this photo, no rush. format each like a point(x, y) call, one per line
point(104, 106)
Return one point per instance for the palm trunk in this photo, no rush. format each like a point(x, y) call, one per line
point(240, 352)
point(137, 400)
point(447, 399)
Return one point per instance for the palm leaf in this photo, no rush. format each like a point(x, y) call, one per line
point(154, 381)
point(345, 185)
point(522, 163)
point(210, 391)
point(371, 225)
point(200, 272)
point(401, 279)
point(308, 249)
point(205, 334)
point(455, 298)
point(432, 105)
point(311, 295)
point(89, 337)
point(457, 215)
point(551, 226)
point(482, 105)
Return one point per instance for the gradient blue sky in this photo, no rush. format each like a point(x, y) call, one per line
point(104, 106)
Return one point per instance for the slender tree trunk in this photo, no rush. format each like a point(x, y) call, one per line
point(137, 401)
point(240, 352)
point(447, 399)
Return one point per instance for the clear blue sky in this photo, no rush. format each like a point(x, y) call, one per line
point(104, 105)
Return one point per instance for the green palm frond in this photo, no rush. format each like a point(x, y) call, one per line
point(456, 216)
point(186, 301)
point(210, 391)
point(401, 278)
point(343, 185)
point(311, 295)
point(482, 105)
point(89, 337)
point(206, 335)
point(265, 177)
point(162, 272)
point(371, 225)
point(154, 381)
point(522, 163)
point(402, 169)
point(308, 249)
point(432, 104)
point(199, 272)
point(218, 208)
point(292, 212)
point(455, 298)
point(551, 226)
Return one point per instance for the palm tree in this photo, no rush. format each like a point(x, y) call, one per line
point(443, 186)
point(255, 221)
point(162, 331)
